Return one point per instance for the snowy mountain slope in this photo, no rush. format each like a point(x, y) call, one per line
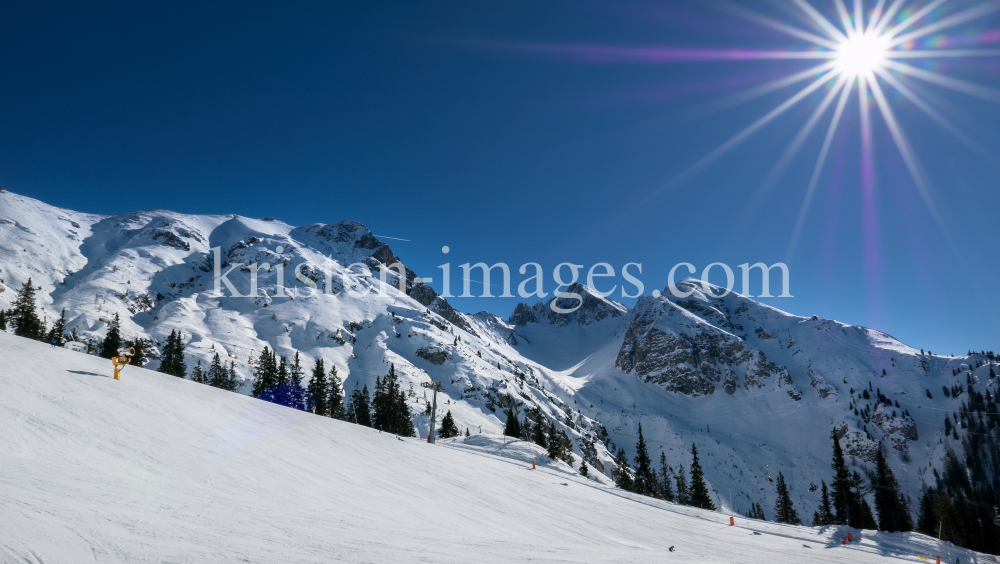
point(157, 269)
point(153, 468)
point(758, 390)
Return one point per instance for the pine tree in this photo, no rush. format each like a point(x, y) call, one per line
point(3, 320)
point(22, 314)
point(402, 419)
point(317, 389)
point(527, 433)
point(756, 512)
point(179, 366)
point(265, 376)
point(845, 499)
point(552, 442)
point(893, 515)
point(391, 413)
point(198, 374)
point(448, 428)
point(645, 478)
point(284, 377)
point(683, 495)
point(699, 490)
point(378, 404)
point(565, 448)
point(513, 426)
point(359, 410)
point(138, 352)
point(927, 522)
point(167, 357)
point(825, 512)
point(335, 397)
point(172, 361)
point(666, 490)
point(621, 474)
point(58, 332)
point(558, 445)
point(112, 340)
point(583, 469)
point(538, 435)
point(216, 372)
point(867, 520)
point(365, 407)
point(784, 512)
point(296, 394)
point(233, 382)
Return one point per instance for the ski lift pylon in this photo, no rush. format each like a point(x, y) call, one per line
point(768, 474)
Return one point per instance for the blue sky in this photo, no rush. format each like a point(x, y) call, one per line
point(483, 127)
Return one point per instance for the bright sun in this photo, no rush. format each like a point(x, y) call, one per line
point(862, 53)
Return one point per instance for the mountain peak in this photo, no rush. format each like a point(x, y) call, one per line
point(589, 307)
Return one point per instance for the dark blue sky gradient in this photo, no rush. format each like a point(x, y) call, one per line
point(419, 120)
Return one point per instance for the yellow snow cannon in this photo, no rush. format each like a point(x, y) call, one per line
point(123, 358)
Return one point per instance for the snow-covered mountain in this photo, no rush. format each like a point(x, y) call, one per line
point(757, 389)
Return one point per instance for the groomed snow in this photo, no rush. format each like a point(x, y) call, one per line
point(158, 469)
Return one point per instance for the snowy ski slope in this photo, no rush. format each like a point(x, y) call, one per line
point(157, 469)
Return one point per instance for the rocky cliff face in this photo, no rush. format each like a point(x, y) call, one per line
point(679, 348)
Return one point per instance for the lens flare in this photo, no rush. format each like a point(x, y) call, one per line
point(862, 54)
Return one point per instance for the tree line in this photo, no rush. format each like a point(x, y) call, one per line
point(961, 504)
point(277, 381)
point(663, 483)
point(538, 429)
point(23, 318)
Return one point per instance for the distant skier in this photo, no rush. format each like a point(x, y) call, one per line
point(53, 342)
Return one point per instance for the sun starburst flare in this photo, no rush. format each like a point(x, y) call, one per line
point(869, 51)
point(866, 51)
